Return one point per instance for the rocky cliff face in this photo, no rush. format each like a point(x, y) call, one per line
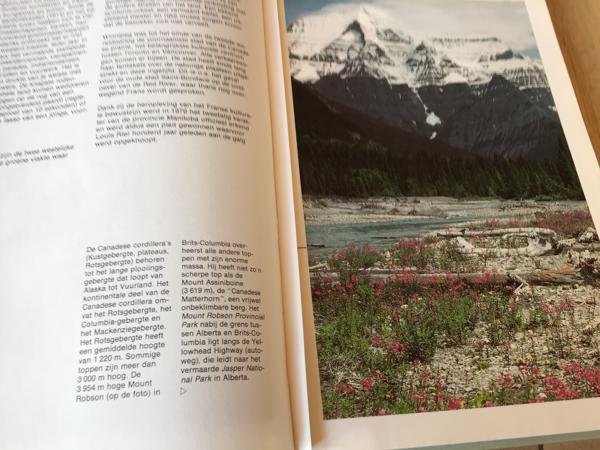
point(504, 120)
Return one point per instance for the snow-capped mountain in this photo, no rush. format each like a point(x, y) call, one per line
point(363, 39)
point(472, 92)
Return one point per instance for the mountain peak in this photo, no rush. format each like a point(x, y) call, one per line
point(328, 43)
point(425, 49)
point(364, 9)
point(499, 84)
point(499, 80)
point(354, 32)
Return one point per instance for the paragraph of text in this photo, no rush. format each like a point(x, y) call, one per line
point(125, 302)
point(221, 313)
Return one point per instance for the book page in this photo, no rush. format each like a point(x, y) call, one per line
point(450, 206)
point(291, 245)
point(141, 293)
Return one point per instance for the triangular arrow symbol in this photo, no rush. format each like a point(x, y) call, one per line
point(182, 391)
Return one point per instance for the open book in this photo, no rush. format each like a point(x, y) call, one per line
point(156, 290)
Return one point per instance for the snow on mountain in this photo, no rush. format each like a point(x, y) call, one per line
point(427, 65)
point(311, 35)
point(527, 76)
point(473, 50)
point(455, 77)
point(433, 120)
point(307, 36)
point(305, 73)
point(362, 40)
point(352, 41)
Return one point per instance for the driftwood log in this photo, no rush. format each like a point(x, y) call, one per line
point(498, 232)
point(540, 241)
point(571, 244)
point(536, 246)
point(534, 278)
point(322, 266)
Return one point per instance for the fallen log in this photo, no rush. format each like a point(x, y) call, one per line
point(378, 271)
point(498, 232)
point(536, 246)
point(577, 247)
point(369, 271)
point(535, 278)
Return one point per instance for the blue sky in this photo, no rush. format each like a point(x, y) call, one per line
point(295, 9)
point(507, 20)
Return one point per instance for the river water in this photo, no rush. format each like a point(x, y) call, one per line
point(325, 239)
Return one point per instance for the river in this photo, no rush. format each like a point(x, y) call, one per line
point(327, 238)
